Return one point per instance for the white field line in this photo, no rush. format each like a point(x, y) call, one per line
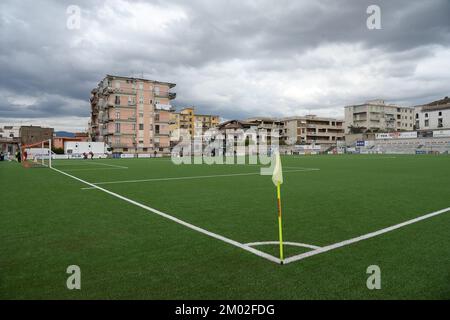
point(90, 169)
point(363, 237)
point(191, 177)
point(110, 165)
point(88, 163)
point(308, 169)
point(184, 223)
point(295, 244)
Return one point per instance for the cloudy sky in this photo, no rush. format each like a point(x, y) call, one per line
point(233, 58)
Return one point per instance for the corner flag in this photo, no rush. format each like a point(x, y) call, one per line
point(277, 178)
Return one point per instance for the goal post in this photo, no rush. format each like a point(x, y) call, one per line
point(36, 155)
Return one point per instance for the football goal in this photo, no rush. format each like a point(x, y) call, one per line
point(37, 155)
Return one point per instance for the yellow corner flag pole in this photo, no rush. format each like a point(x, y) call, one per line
point(280, 227)
point(277, 179)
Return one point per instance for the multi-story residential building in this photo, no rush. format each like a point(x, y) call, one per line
point(9, 140)
point(194, 123)
point(203, 122)
point(376, 115)
point(272, 125)
point(311, 129)
point(10, 132)
point(186, 120)
point(34, 134)
point(11, 137)
point(434, 115)
point(132, 115)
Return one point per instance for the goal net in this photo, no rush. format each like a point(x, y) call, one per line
point(36, 155)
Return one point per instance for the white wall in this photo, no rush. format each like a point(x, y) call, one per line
point(433, 117)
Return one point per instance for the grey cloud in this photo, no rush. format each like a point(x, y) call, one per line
point(261, 45)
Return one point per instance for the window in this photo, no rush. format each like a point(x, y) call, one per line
point(427, 123)
point(141, 126)
point(440, 113)
point(117, 127)
point(141, 86)
point(117, 82)
point(156, 90)
point(440, 123)
point(117, 100)
point(157, 117)
point(426, 115)
point(117, 115)
point(141, 99)
point(141, 114)
point(157, 129)
point(134, 126)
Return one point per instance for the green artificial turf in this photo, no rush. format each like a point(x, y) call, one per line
point(48, 222)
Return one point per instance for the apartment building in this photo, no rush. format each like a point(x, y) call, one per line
point(194, 123)
point(434, 115)
point(34, 134)
point(132, 115)
point(272, 125)
point(311, 129)
point(376, 115)
point(9, 140)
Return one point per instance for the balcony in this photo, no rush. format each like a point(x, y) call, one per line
point(125, 91)
point(165, 94)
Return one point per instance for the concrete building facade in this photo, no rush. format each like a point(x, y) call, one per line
point(132, 115)
point(376, 115)
point(434, 115)
point(193, 123)
point(34, 134)
point(311, 129)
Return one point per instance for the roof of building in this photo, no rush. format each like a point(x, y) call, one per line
point(64, 134)
point(377, 103)
point(267, 119)
point(436, 105)
point(312, 117)
point(170, 84)
point(235, 124)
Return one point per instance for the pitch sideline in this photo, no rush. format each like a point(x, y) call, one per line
point(192, 177)
point(363, 237)
point(179, 221)
point(247, 247)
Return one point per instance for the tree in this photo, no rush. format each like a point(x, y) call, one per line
point(356, 129)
